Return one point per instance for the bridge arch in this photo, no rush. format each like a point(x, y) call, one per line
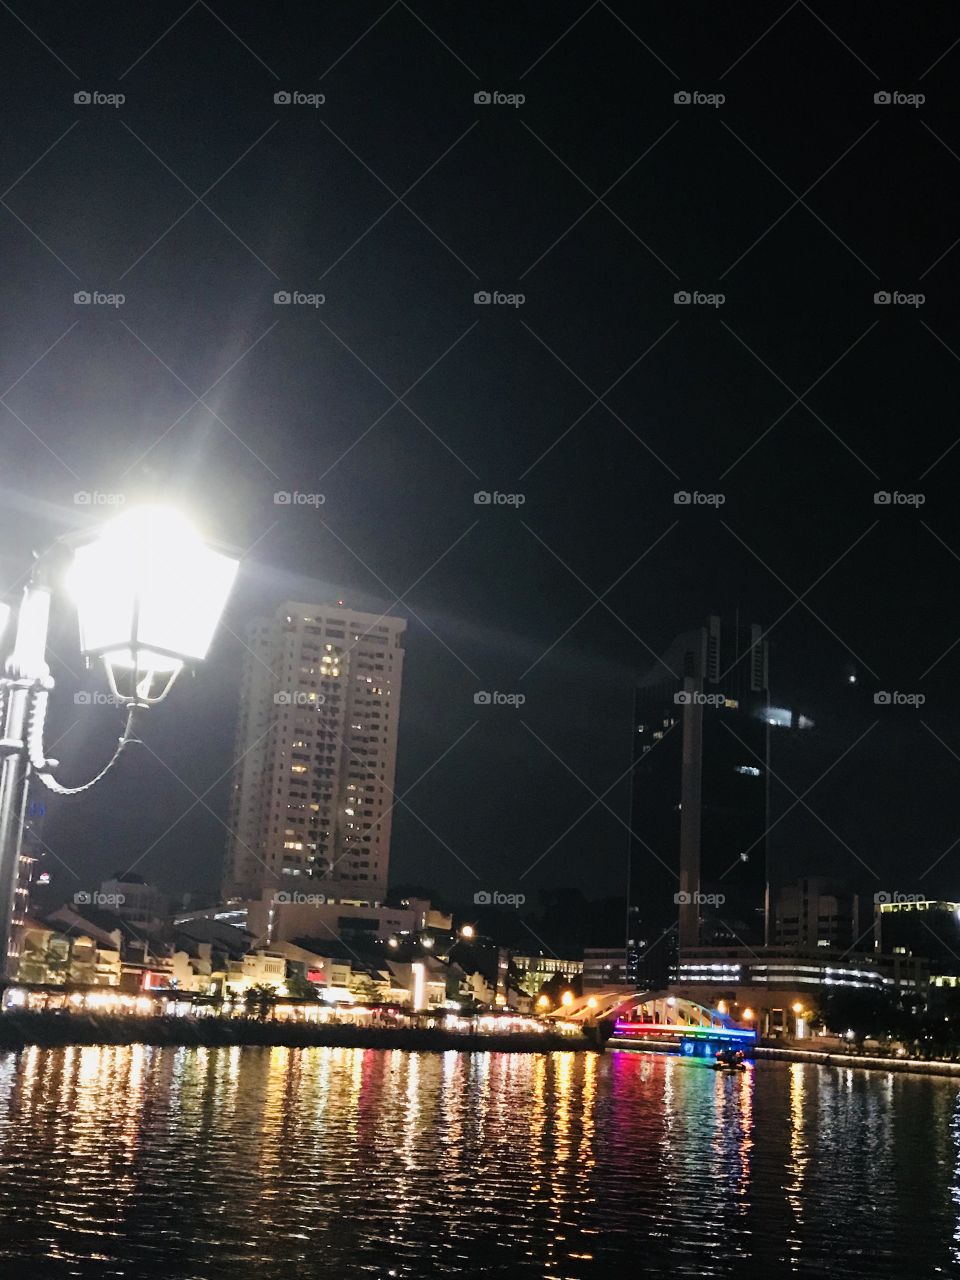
point(661, 1008)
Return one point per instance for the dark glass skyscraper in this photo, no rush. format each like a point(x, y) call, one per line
point(700, 808)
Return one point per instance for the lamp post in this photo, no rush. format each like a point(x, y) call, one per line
point(149, 595)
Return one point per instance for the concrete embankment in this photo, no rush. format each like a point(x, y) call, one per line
point(919, 1066)
point(49, 1030)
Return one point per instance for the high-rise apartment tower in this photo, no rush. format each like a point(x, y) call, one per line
point(313, 785)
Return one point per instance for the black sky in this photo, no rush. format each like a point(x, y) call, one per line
point(798, 198)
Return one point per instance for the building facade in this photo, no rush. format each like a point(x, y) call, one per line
point(604, 967)
point(282, 916)
point(771, 988)
point(317, 749)
point(923, 928)
point(816, 912)
point(134, 900)
point(536, 970)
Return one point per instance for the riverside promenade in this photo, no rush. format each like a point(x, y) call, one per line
point(52, 1030)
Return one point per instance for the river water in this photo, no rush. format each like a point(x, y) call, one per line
point(194, 1164)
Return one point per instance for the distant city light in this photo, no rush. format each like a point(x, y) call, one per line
point(419, 985)
point(567, 998)
point(467, 931)
point(781, 717)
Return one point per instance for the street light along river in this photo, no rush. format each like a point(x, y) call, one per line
point(149, 595)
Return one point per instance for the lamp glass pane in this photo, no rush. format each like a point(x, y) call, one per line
point(182, 600)
point(105, 598)
point(148, 583)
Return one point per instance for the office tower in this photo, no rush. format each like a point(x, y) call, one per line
point(700, 796)
point(928, 930)
point(815, 912)
point(316, 754)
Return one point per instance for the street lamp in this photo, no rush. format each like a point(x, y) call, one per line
point(149, 595)
point(800, 1015)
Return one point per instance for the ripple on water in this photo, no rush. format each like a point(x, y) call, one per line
point(261, 1163)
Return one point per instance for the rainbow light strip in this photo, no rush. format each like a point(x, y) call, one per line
point(665, 1029)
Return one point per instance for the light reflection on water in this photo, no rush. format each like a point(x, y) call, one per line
point(261, 1163)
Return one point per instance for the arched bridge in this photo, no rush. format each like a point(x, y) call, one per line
point(657, 1016)
point(650, 1010)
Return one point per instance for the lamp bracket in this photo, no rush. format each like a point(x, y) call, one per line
point(36, 718)
point(142, 684)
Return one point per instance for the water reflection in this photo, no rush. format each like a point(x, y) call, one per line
point(263, 1163)
point(798, 1162)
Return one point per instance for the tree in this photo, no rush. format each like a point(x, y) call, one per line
point(299, 987)
point(866, 1013)
point(364, 988)
point(259, 1000)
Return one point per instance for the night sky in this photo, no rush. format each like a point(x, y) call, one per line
point(597, 199)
